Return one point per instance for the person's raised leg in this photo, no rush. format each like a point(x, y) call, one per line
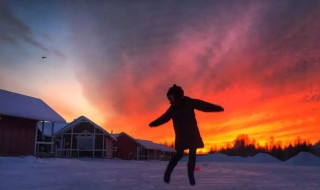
point(191, 165)
point(173, 162)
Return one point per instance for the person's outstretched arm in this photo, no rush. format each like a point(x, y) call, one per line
point(206, 106)
point(162, 119)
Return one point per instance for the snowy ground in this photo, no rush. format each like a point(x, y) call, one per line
point(30, 173)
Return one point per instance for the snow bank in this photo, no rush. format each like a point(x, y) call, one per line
point(220, 158)
point(304, 158)
point(263, 158)
point(259, 158)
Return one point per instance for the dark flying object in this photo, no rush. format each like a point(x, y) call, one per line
point(44, 57)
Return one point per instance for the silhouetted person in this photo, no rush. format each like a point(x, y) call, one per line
point(185, 126)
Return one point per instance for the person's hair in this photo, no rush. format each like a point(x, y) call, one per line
point(175, 90)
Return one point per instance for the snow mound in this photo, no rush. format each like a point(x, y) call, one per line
point(220, 158)
point(304, 158)
point(263, 158)
point(259, 158)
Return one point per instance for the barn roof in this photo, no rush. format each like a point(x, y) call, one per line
point(116, 135)
point(80, 120)
point(18, 105)
point(147, 144)
point(154, 146)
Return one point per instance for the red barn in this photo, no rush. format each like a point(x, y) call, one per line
point(83, 138)
point(19, 115)
point(129, 148)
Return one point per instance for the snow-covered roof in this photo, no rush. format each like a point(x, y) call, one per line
point(18, 105)
point(116, 135)
point(154, 146)
point(147, 144)
point(80, 120)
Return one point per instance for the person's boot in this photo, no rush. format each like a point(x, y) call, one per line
point(166, 177)
point(191, 174)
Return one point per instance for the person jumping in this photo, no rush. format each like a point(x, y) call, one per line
point(187, 135)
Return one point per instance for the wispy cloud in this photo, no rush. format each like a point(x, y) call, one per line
point(13, 30)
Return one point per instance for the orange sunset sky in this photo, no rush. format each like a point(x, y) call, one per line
point(113, 62)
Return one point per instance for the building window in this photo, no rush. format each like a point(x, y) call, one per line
point(155, 154)
point(85, 142)
point(142, 153)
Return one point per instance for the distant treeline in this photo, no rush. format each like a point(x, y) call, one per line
point(243, 147)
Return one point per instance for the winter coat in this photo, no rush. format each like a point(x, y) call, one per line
point(185, 123)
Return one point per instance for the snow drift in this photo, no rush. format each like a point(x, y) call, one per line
point(304, 158)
